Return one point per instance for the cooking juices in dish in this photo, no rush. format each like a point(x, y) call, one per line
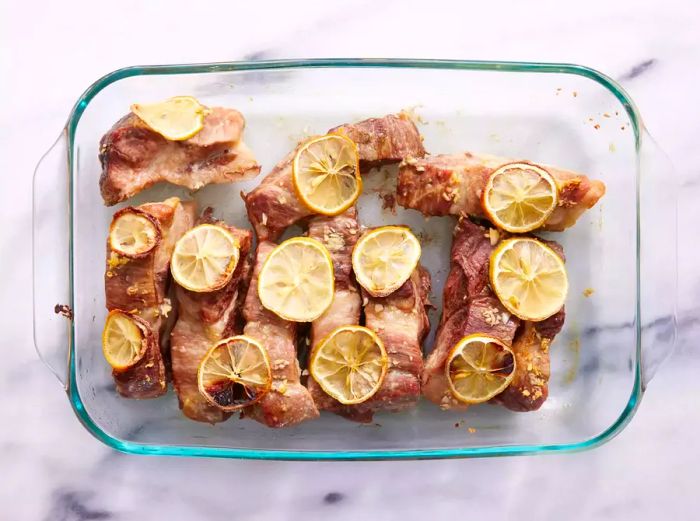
point(363, 291)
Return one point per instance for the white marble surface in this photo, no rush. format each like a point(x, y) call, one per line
point(52, 469)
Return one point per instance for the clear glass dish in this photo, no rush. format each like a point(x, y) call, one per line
point(623, 249)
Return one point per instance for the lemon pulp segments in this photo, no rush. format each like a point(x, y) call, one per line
point(133, 232)
point(123, 340)
point(529, 278)
point(478, 368)
point(326, 174)
point(349, 364)
point(234, 373)
point(176, 119)
point(205, 258)
point(296, 281)
point(519, 197)
point(384, 258)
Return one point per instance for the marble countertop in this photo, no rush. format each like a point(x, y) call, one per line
point(52, 469)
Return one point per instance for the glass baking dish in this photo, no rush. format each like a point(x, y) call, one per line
point(624, 249)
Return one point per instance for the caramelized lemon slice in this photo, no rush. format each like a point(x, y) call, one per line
point(176, 119)
point(296, 281)
point(123, 340)
point(529, 278)
point(205, 258)
point(384, 258)
point(326, 174)
point(520, 197)
point(133, 232)
point(350, 364)
point(478, 368)
point(234, 373)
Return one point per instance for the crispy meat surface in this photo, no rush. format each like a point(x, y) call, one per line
point(140, 286)
point(273, 205)
point(288, 402)
point(203, 320)
point(134, 157)
point(454, 184)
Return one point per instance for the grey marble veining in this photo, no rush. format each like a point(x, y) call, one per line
point(52, 469)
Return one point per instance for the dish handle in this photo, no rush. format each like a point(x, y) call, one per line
point(658, 199)
point(53, 304)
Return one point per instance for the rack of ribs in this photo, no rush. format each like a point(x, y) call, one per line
point(134, 157)
point(470, 306)
point(139, 287)
point(273, 205)
point(288, 402)
point(454, 184)
point(203, 320)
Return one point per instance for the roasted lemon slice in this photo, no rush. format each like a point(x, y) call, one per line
point(349, 364)
point(384, 258)
point(176, 119)
point(205, 258)
point(326, 174)
point(478, 368)
point(234, 373)
point(529, 278)
point(123, 340)
point(520, 197)
point(296, 281)
point(133, 232)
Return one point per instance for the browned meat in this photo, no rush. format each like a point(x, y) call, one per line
point(140, 286)
point(454, 184)
point(469, 306)
point(401, 321)
point(134, 157)
point(203, 320)
point(146, 378)
point(529, 388)
point(273, 205)
point(289, 402)
point(339, 234)
point(390, 139)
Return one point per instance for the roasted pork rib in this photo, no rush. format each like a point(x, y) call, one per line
point(401, 322)
point(288, 402)
point(339, 234)
point(203, 320)
point(134, 157)
point(140, 287)
point(273, 205)
point(469, 306)
point(454, 185)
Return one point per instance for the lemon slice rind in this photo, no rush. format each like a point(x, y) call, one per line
point(527, 294)
point(384, 259)
point(204, 258)
point(349, 364)
point(519, 197)
point(326, 174)
point(235, 373)
point(296, 281)
point(469, 370)
point(176, 119)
